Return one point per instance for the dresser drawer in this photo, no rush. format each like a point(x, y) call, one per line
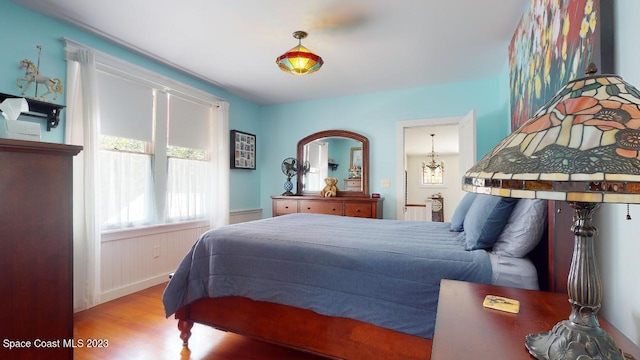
point(358, 210)
point(321, 207)
point(341, 206)
point(286, 207)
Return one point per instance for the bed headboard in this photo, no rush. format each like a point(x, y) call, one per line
point(552, 256)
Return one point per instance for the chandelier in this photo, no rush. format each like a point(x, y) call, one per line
point(432, 164)
point(299, 60)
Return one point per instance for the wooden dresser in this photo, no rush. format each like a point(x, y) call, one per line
point(467, 330)
point(36, 248)
point(342, 205)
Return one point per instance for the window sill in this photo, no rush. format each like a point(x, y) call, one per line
point(122, 234)
point(438, 186)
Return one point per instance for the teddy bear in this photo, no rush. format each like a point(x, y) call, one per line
point(331, 189)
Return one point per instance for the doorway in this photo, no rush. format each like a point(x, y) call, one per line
point(466, 136)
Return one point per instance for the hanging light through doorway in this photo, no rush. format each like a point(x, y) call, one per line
point(432, 170)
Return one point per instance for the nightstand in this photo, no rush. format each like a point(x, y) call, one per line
point(466, 330)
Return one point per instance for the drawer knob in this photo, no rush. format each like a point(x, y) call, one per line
point(308, 208)
point(333, 209)
point(286, 207)
point(357, 210)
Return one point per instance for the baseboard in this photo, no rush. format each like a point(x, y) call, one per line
point(132, 288)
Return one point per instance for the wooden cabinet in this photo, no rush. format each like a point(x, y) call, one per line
point(342, 206)
point(36, 248)
point(466, 330)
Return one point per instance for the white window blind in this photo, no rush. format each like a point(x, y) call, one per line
point(189, 123)
point(126, 108)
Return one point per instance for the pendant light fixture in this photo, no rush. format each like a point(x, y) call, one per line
point(299, 60)
point(432, 169)
point(432, 163)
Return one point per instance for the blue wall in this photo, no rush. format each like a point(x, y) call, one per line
point(375, 116)
point(278, 127)
point(24, 29)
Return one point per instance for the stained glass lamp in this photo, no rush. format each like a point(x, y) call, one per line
point(582, 147)
point(299, 60)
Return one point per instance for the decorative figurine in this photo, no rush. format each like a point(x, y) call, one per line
point(32, 74)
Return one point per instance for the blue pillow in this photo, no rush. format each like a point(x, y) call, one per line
point(457, 221)
point(485, 220)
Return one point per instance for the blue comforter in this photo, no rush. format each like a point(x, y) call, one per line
point(384, 272)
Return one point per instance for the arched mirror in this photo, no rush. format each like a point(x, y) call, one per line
point(340, 154)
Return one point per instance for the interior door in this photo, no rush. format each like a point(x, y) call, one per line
point(467, 142)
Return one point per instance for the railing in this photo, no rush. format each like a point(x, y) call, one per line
point(418, 212)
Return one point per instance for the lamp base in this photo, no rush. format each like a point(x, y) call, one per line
point(288, 186)
point(568, 340)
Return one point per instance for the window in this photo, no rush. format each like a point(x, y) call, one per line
point(188, 142)
point(432, 176)
point(155, 152)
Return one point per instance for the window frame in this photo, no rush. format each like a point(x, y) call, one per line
point(163, 87)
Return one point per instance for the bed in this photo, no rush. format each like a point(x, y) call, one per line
point(351, 288)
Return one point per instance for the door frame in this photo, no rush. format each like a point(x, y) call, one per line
point(466, 123)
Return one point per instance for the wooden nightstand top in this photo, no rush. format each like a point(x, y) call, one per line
point(466, 330)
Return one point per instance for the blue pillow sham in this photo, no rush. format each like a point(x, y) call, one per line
point(457, 221)
point(485, 219)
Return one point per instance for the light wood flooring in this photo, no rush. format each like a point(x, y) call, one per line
point(136, 328)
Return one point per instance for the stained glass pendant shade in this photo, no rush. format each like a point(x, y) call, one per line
point(583, 145)
point(299, 60)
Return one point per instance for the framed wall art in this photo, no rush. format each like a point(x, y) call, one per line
point(553, 44)
point(243, 150)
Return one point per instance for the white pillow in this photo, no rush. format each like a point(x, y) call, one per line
point(523, 229)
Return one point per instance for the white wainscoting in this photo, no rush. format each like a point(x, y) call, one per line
point(244, 215)
point(134, 260)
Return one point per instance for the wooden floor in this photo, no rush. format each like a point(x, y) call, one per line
point(135, 328)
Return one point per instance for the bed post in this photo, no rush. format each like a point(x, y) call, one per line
point(184, 326)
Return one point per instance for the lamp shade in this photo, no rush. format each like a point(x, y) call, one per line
point(299, 60)
point(582, 146)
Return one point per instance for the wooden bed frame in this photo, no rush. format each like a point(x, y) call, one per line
point(343, 338)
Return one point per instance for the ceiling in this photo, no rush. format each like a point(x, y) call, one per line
point(417, 140)
point(367, 45)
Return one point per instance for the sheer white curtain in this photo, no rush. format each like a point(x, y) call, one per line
point(126, 190)
point(82, 129)
point(219, 196)
point(187, 189)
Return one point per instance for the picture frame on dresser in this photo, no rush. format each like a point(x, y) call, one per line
point(242, 150)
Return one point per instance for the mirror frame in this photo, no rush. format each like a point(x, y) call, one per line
point(337, 133)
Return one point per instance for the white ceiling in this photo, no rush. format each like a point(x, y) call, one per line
point(417, 140)
point(367, 45)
